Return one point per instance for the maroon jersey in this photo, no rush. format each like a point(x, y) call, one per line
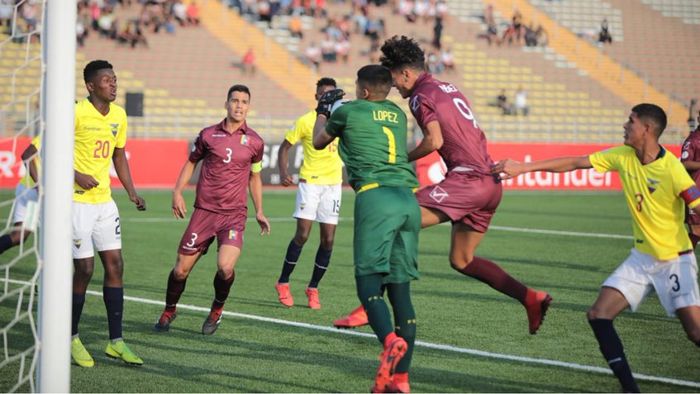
point(691, 152)
point(226, 164)
point(464, 144)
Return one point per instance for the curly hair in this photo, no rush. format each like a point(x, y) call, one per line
point(92, 68)
point(398, 52)
point(326, 81)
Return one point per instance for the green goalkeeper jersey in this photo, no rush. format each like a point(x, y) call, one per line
point(373, 144)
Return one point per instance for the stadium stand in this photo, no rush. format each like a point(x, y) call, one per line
point(584, 17)
point(688, 11)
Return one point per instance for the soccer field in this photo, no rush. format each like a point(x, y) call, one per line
point(472, 337)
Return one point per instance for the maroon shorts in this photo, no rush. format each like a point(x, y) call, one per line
point(205, 225)
point(691, 217)
point(463, 197)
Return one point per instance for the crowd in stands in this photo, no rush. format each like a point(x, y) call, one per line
point(99, 17)
point(519, 105)
point(29, 15)
point(514, 33)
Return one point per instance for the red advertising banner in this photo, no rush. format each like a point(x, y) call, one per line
point(430, 169)
point(156, 163)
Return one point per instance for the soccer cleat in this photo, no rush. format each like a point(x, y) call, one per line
point(536, 305)
point(80, 355)
point(312, 295)
point(284, 295)
point(163, 323)
point(120, 351)
point(211, 323)
point(393, 352)
point(399, 383)
point(356, 318)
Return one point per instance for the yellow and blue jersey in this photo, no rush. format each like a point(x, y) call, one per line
point(27, 180)
point(656, 195)
point(321, 167)
point(96, 136)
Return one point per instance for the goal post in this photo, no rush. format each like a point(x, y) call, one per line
point(58, 103)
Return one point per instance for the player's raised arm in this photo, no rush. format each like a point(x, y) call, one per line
point(179, 208)
point(323, 109)
point(432, 141)
point(121, 165)
point(255, 186)
point(509, 168)
point(283, 163)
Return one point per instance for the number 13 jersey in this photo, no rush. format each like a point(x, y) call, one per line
point(464, 143)
point(96, 136)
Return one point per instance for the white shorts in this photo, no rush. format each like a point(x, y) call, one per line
point(675, 281)
point(23, 197)
point(95, 224)
point(320, 203)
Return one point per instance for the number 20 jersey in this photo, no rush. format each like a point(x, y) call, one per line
point(464, 144)
point(96, 136)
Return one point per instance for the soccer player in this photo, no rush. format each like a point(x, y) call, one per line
point(469, 194)
point(690, 157)
point(231, 154)
point(656, 188)
point(25, 192)
point(372, 132)
point(318, 199)
point(100, 138)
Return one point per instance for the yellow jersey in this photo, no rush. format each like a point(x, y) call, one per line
point(321, 167)
point(656, 194)
point(27, 180)
point(96, 136)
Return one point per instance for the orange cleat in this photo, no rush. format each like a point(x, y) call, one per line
point(394, 349)
point(356, 318)
point(399, 383)
point(536, 305)
point(163, 323)
point(312, 295)
point(284, 295)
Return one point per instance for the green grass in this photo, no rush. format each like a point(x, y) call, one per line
point(251, 356)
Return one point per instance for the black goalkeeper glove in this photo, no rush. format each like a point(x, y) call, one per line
point(325, 103)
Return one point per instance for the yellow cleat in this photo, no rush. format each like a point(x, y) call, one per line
point(120, 351)
point(80, 355)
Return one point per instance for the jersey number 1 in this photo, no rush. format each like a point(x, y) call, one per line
point(392, 144)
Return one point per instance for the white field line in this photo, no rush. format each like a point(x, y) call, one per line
point(497, 228)
point(428, 345)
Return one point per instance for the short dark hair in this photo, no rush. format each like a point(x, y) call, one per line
point(92, 68)
point(325, 81)
point(399, 52)
point(653, 113)
point(237, 88)
point(375, 78)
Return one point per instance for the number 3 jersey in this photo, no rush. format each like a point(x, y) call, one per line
point(227, 161)
point(656, 194)
point(464, 144)
point(96, 136)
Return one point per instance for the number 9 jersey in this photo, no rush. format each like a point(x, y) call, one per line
point(96, 136)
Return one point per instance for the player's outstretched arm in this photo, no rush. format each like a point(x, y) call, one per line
point(510, 168)
point(432, 141)
point(283, 164)
point(121, 165)
point(179, 207)
point(255, 186)
point(691, 165)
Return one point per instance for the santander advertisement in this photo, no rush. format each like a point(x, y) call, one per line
point(156, 163)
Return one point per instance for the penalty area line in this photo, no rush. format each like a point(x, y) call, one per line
point(423, 344)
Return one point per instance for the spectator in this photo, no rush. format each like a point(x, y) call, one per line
point(447, 60)
point(295, 26)
point(342, 49)
point(6, 11)
point(502, 103)
point(313, 56)
point(521, 102)
point(437, 33)
point(328, 49)
point(488, 16)
point(604, 36)
point(30, 13)
point(434, 65)
point(541, 36)
point(193, 14)
point(179, 10)
point(248, 62)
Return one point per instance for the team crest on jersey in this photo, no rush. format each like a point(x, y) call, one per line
point(244, 140)
point(115, 128)
point(233, 234)
point(415, 103)
point(77, 243)
point(438, 194)
point(652, 185)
